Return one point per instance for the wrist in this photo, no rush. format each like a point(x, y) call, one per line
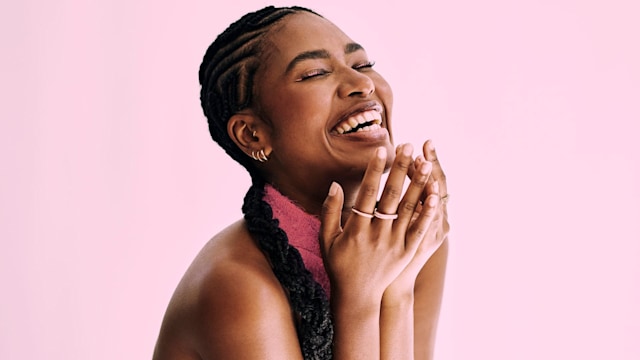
point(354, 304)
point(356, 325)
point(398, 298)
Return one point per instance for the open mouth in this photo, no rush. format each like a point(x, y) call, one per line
point(369, 120)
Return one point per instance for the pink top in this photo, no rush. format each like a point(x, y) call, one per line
point(302, 229)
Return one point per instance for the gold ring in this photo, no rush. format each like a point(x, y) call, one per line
point(444, 199)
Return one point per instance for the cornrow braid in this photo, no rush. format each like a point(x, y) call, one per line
point(228, 69)
point(226, 76)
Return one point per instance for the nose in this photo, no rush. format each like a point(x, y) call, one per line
point(355, 83)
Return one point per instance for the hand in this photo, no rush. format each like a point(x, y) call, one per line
point(437, 176)
point(365, 256)
point(439, 227)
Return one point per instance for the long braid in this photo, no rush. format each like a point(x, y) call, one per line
point(308, 299)
point(226, 76)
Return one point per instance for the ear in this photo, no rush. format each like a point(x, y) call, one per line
point(249, 133)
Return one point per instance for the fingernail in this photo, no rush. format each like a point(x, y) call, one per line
point(333, 189)
point(433, 200)
point(407, 149)
point(381, 152)
point(436, 187)
point(431, 146)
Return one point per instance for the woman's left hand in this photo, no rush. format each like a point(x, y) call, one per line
point(438, 231)
point(437, 175)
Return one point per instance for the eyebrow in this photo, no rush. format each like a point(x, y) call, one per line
point(320, 54)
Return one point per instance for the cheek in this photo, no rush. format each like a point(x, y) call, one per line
point(384, 91)
point(299, 120)
point(304, 112)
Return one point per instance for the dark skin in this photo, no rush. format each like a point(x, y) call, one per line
point(299, 105)
point(386, 275)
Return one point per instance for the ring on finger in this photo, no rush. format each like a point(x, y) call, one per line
point(444, 199)
point(384, 216)
point(361, 213)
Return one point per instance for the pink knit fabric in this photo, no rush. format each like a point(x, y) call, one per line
point(302, 230)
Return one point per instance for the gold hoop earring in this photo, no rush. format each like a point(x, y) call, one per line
point(259, 155)
point(262, 156)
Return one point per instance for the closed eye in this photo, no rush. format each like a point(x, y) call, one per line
point(312, 74)
point(365, 65)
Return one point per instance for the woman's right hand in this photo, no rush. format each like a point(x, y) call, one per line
point(365, 256)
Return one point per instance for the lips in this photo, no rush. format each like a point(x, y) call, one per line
point(366, 117)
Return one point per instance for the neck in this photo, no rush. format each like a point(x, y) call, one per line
point(312, 202)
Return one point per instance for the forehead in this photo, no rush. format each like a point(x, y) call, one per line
point(304, 32)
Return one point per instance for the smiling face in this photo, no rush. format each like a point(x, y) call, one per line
point(324, 107)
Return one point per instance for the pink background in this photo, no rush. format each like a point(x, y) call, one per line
point(110, 183)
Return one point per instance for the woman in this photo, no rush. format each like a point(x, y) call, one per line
point(318, 268)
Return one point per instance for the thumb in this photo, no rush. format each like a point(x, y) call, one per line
point(330, 215)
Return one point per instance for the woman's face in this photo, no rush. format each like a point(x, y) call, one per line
point(315, 90)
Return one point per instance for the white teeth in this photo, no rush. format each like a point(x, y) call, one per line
point(360, 118)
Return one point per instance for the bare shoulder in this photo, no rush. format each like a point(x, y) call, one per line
point(229, 305)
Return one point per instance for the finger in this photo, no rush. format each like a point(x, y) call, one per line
point(411, 199)
point(414, 166)
point(438, 175)
point(419, 228)
point(368, 193)
point(432, 187)
point(412, 171)
point(393, 187)
point(330, 216)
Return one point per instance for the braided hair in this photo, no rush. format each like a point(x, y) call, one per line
point(226, 75)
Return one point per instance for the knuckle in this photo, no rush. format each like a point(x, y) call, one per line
point(403, 163)
point(393, 192)
point(359, 237)
point(369, 190)
point(421, 181)
point(445, 226)
point(378, 166)
point(419, 232)
point(431, 213)
point(327, 208)
point(407, 206)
